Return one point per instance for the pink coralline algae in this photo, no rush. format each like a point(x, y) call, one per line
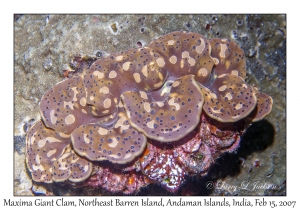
point(157, 114)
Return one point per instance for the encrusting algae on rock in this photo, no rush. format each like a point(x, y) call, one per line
point(151, 115)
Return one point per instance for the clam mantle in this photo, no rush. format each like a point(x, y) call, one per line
point(161, 113)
